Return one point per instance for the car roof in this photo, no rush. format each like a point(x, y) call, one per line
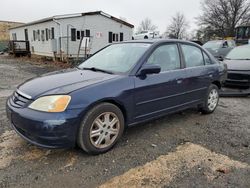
point(159, 41)
point(219, 40)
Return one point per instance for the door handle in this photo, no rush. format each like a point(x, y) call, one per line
point(179, 81)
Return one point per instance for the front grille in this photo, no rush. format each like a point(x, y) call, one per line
point(18, 101)
point(236, 76)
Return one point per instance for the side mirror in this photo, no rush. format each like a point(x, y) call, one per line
point(149, 69)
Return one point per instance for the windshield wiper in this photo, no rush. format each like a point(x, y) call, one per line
point(97, 70)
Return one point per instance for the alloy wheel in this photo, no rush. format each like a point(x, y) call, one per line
point(104, 130)
point(213, 98)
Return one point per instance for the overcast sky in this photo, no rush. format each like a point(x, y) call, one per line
point(159, 11)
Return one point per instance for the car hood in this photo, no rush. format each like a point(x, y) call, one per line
point(238, 65)
point(62, 82)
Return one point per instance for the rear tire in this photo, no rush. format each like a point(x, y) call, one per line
point(146, 37)
point(211, 101)
point(101, 128)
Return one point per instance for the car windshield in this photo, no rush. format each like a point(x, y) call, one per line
point(116, 58)
point(239, 53)
point(213, 45)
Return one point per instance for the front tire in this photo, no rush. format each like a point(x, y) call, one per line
point(211, 101)
point(101, 128)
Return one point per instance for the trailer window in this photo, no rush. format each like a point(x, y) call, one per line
point(38, 35)
point(110, 37)
point(82, 34)
point(114, 37)
point(34, 35)
point(73, 34)
point(42, 35)
point(121, 37)
point(78, 35)
point(52, 33)
point(87, 33)
point(47, 34)
point(26, 34)
point(14, 36)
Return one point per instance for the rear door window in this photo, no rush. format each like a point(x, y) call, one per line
point(192, 55)
point(207, 59)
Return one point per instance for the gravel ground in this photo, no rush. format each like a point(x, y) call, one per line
point(180, 150)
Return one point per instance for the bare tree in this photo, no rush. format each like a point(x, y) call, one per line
point(146, 25)
point(178, 27)
point(222, 16)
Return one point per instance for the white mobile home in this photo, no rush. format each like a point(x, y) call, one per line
point(66, 36)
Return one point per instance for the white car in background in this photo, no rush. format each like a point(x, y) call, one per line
point(146, 35)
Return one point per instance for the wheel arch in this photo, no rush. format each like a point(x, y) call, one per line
point(217, 83)
point(120, 105)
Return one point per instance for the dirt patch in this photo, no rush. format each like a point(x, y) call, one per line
point(72, 159)
point(5, 93)
point(13, 147)
point(162, 171)
point(9, 141)
point(39, 61)
point(33, 154)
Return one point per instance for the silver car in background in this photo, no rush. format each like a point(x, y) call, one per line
point(219, 48)
point(146, 35)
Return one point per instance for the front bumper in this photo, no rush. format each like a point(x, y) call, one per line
point(49, 130)
point(238, 79)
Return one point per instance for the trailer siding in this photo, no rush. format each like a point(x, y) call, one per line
point(99, 27)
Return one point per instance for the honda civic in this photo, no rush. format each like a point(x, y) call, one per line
point(120, 86)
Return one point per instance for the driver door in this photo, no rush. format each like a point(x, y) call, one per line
point(161, 93)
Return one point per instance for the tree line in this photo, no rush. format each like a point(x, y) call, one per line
point(219, 19)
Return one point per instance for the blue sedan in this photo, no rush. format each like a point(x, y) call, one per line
point(120, 86)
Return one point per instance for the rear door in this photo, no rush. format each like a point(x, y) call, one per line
point(198, 77)
point(160, 93)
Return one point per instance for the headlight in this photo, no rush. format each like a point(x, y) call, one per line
point(56, 103)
